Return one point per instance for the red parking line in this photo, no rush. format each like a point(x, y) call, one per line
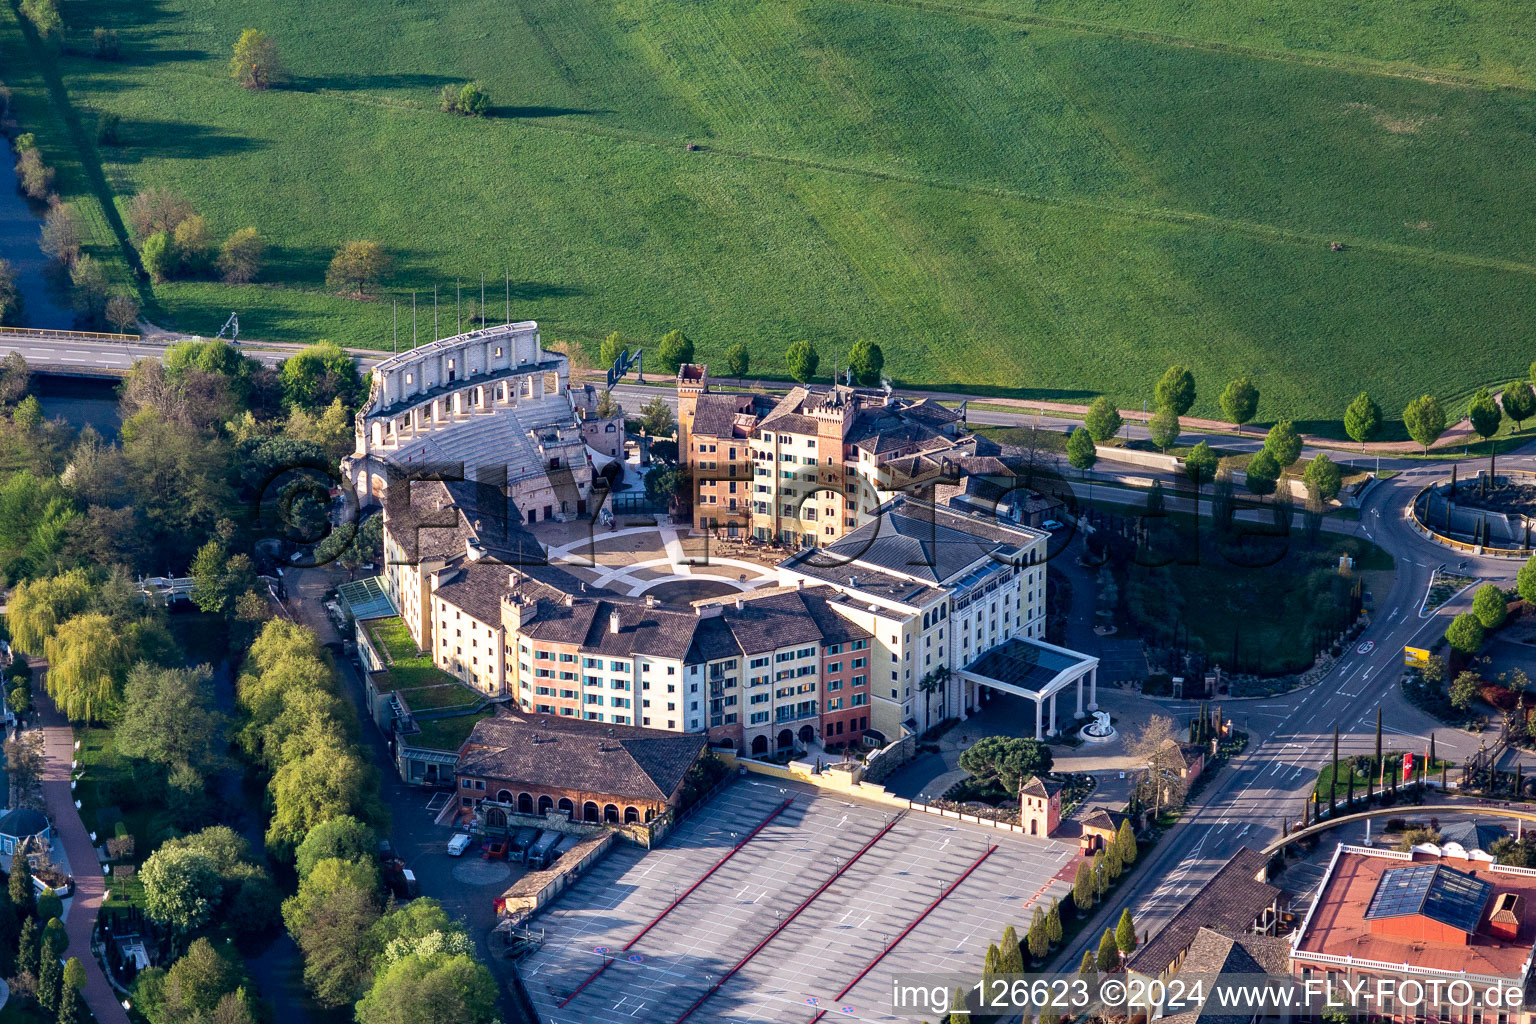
point(904, 932)
point(790, 917)
point(685, 894)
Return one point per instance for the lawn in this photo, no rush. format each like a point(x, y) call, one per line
point(1024, 208)
point(445, 733)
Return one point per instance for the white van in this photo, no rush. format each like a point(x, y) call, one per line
point(458, 844)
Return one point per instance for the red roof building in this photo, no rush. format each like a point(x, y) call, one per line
point(1441, 912)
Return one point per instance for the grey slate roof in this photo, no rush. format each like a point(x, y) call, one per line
point(569, 753)
point(924, 541)
point(1229, 903)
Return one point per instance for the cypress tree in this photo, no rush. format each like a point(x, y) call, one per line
point(1082, 887)
point(23, 893)
point(1125, 838)
point(27, 947)
point(1012, 958)
point(50, 978)
point(1125, 932)
point(1109, 953)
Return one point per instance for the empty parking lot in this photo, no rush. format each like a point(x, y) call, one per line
point(818, 887)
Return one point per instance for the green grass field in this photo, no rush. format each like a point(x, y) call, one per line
point(1007, 202)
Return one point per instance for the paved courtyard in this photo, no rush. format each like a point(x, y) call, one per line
point(784, 927)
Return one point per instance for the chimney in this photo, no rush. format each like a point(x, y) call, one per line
point(613, 621)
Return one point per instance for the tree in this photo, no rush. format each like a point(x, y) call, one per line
point(673, 351)
point(170, 718)
point(1239, 401)
point(738, 360)
point(341, 838)
point(182, 888)
point(1007, 760)
point(61, 234)
point(1080, 450)
point(357, 265)
point(1125, 838)
point(1200, 464)
point(612, 347)
point(656, 417)
point(1125, 933)
point(316, 376)
point(867, 363)
point(474, 100)
point(1082, 887)
point(1489, 606)
point(1486, 416)
point(1176, 390)
point(38, 607)
point(1283, 443)
point(1362, 419)
point(1465, 633)
point(192, 243)
point(1525, 583)
point(1465, 690)
point(44, 16)
point(122, 311)
point(1425, 420)
point(241, 255)
point(802, 359)
point(1520, 402)
point(1103, 419)
point(427, 989)
point(255, 64)
point(88, 657)
point(1322, 477)
point(23, 893)
point(330, 918)
point(1262, 473)
point(158, 256)
point(88, 288)
point(1164, 427)
point(1109, 953)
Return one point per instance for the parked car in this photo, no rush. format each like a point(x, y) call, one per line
point(495, 849)
point(458, 844)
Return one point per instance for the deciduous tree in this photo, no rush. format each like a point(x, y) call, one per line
point(1362, 419)
point(1103, 419)
point(802, 359)
point(255, 64)
point(1239, 401)
point(867, 363)
point(1175, 390)
point(357, 266)
point(1425, 420)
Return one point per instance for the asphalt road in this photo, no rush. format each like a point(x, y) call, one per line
point(1291, 735)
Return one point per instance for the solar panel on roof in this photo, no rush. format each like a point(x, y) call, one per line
point(1435, 891)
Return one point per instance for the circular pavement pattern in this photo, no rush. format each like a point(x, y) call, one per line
point(683, 591)
point(482, 872)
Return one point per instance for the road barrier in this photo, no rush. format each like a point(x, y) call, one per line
point(34, 332)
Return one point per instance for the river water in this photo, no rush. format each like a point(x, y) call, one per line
point(43, 304)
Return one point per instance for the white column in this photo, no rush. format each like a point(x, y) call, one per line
point(1093, 688)
point(1039, 707)
point(1079, 697)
